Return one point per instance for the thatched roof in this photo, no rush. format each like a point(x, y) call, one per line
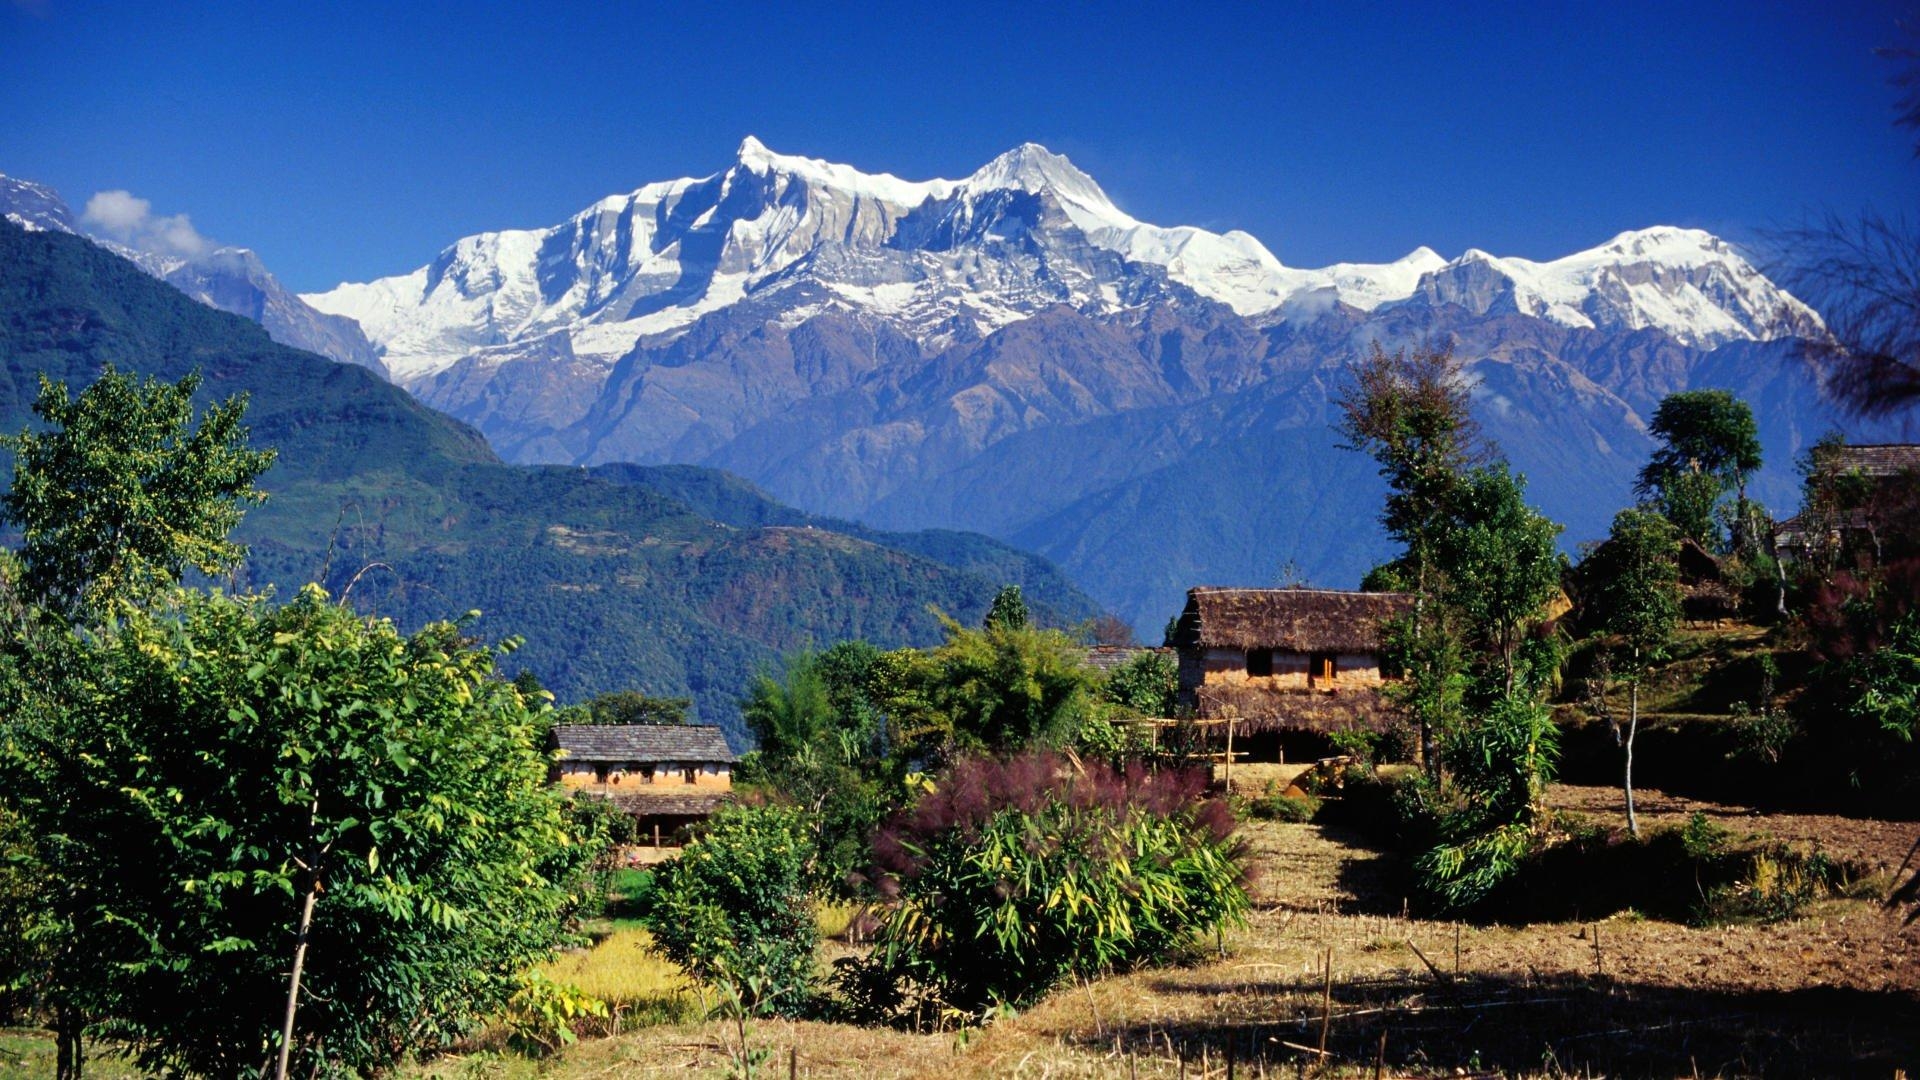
point(1294, 620)
point(1262, 709)
point(1698, 565)
point(642, 743)
point(1875, 459)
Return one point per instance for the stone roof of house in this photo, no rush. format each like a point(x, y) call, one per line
point(1108, 657)
point(642, 742)
point(1292, 620)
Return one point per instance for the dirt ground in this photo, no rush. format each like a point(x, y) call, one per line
point(1833, 994)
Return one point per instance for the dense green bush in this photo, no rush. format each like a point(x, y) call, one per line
point(734, 910)
point(1013, 874)
point(201, 769)
point(1500, 762)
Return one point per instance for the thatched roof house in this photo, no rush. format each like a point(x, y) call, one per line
point(1292, 619)
point(1306, 659)
point(1872, 459)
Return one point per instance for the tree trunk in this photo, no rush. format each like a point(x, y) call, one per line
point(69, 1058)
point(293, 984)
point(1633, 728)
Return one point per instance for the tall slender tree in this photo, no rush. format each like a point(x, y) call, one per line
point(1408, 411)
point(1632, 584)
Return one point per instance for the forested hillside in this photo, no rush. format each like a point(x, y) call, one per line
point(612, 581)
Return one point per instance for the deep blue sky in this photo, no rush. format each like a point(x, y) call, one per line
point(353, 141)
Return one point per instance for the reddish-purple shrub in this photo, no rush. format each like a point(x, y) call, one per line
point(1012, 873)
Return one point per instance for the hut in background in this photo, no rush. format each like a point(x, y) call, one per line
point(1286, 663)
point(666, 776)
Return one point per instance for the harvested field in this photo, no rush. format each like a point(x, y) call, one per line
point(1836, 993)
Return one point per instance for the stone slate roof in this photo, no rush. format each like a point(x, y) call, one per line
point(1292, 620)
point(642, 743)
point(1876, 459)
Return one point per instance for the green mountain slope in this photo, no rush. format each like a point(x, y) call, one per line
point(736, 501)
point(611, 583)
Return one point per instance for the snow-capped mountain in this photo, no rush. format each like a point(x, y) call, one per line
point(229, 278)
point(34, 207)
point(1011, 352)
point(948, 260)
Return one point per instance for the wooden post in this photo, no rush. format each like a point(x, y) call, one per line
point(1456, 948)
point(793, 1063)
point(1230, 726)
point(1326, 1007)
point(1380, 1056)
point(656, 836)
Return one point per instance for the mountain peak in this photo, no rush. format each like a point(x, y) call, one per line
point(1034, 168)
point(754, 152)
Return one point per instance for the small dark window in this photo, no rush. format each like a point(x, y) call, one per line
point(1321, 666)
point(1259, 662)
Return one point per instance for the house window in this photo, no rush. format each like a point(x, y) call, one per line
point(1321, 667)
point(1259, 663)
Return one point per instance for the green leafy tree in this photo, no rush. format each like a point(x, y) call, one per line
point(824, 744)
point(1501, 766)
point(1409, 412)
point(1502, 563)
point(229, 790)
point(1009, 610)
point(1148, 684)
point(629, 707)
point(1632, 591)
point(122, 494)
point(1886, 681)
point(734, 910)
point(1709, 445)
point(1009, 687)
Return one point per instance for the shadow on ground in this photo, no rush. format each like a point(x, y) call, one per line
point(1574, 1025)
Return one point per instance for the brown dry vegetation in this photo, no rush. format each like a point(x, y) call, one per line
point(1834, 993)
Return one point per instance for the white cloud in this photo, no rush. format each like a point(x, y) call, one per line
point(130, 220)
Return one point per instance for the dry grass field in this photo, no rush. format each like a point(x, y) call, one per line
point(1834, 993)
